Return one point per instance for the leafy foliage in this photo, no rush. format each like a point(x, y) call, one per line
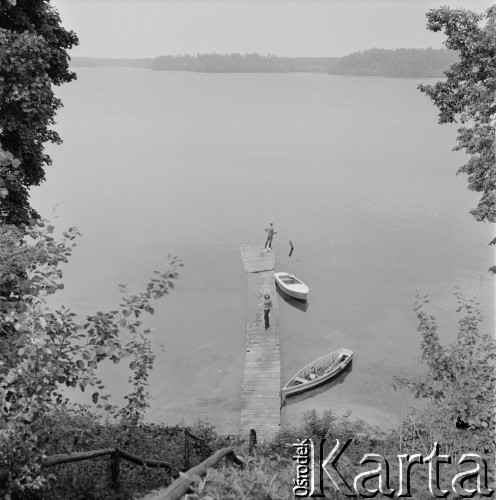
point(468, 96)
point(270, 474)
point(264, 478)
point(44, 350)
point(33, 57)
point(78, 429)
point(459, 381)
point(416, 434)
point(11, 186)
point(329, 427)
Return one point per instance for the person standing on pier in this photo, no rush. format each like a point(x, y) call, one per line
point(270, 234)
point(267, 303)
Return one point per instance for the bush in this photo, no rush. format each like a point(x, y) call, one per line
point(79, 429)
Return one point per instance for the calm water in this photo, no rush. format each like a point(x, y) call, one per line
point(356, 172)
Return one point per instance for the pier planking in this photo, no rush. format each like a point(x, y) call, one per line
point(260, 399)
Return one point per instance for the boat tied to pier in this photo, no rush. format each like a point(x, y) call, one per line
point(291, 285)
point(318, 372)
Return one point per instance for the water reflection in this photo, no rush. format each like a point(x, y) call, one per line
point(297, 398)
point(302, 305)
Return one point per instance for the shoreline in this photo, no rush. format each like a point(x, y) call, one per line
point(399, 77)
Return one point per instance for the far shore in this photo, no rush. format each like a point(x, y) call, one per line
point(397, 63)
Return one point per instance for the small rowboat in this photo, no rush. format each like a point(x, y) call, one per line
point(318, 372)
point(291, 286)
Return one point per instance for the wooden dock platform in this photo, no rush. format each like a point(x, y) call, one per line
point(260, 400)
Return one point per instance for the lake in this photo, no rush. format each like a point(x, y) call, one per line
point(355, 171)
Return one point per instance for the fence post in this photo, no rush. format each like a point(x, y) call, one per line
point(252, 443)
point(114, 470)
point(186, 450)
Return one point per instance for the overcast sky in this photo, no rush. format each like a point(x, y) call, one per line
point(148, 28)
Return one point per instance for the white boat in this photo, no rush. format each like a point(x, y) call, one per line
point(291, 286)
point(318, 372)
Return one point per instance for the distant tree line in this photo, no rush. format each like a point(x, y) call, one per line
point(97, 62)
point(217, 63)
point(396, 63)
point(241, 63)
point(374, 62)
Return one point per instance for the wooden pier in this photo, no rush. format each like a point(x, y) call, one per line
point(260, 400)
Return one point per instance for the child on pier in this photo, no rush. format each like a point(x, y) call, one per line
point(267, 305)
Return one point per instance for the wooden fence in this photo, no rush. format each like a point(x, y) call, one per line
point(179, 488)
point(204, 449)
point(116, 454)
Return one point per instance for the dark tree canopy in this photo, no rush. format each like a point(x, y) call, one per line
point(468, 97)
point(33, 57)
